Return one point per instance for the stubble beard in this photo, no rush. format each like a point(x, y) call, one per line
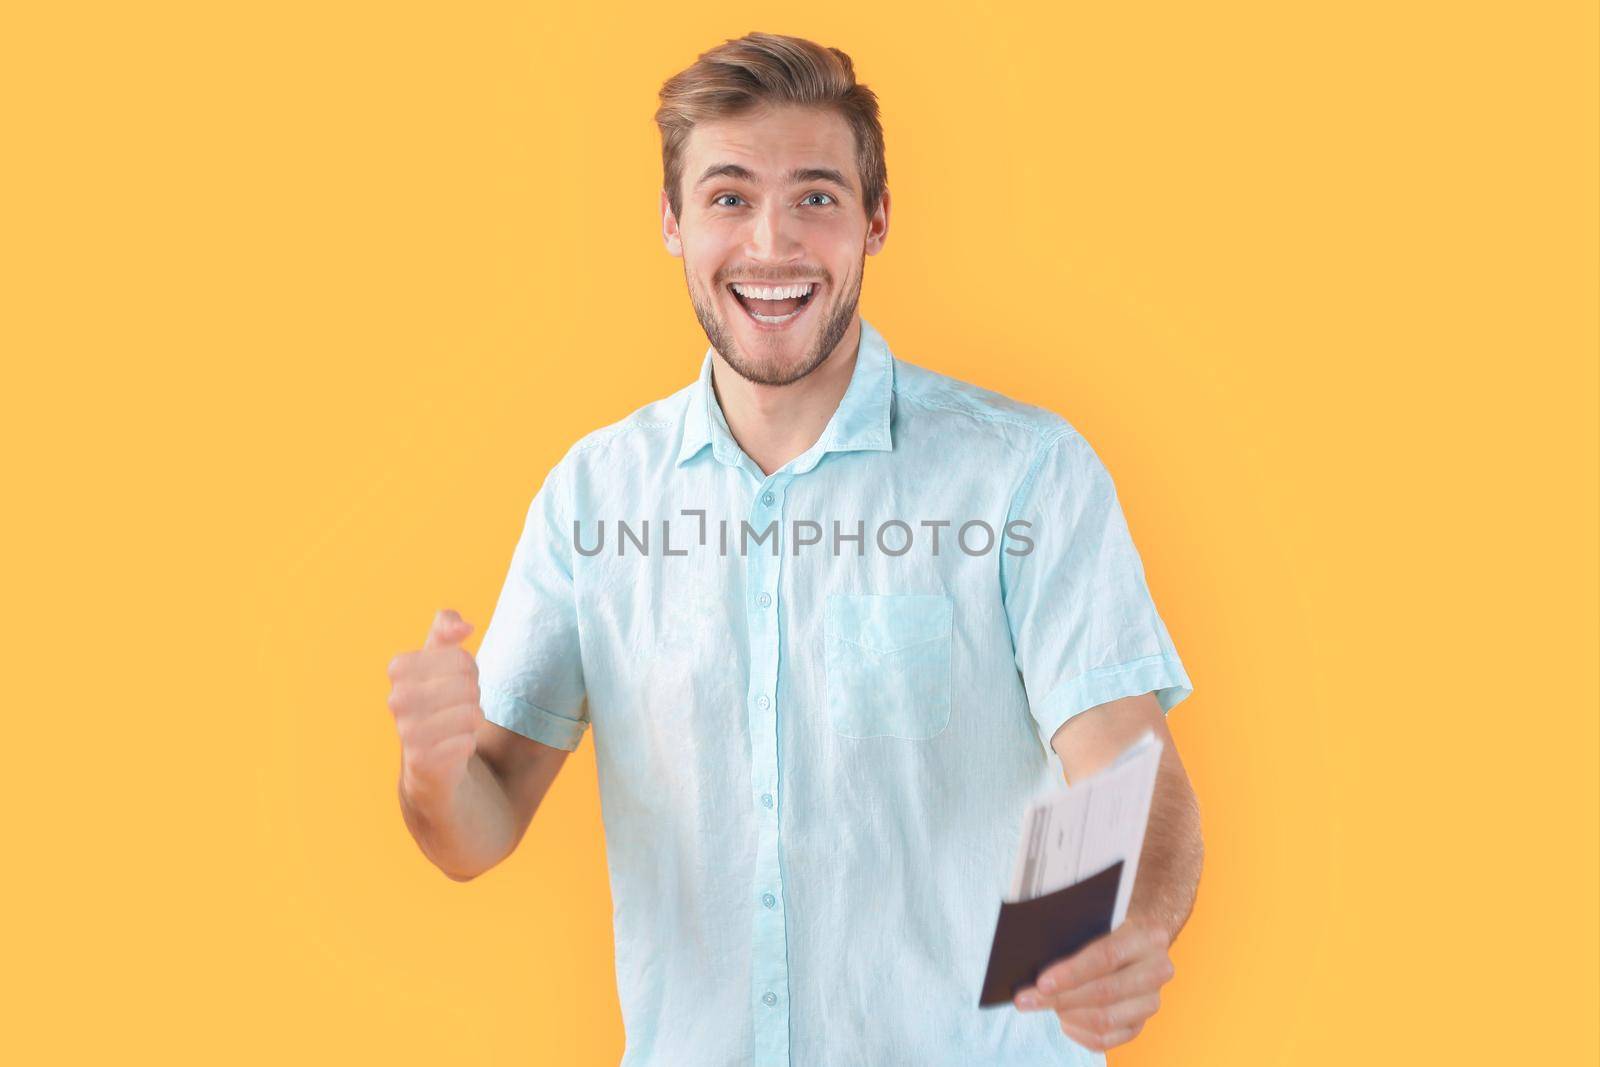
point(835, 325)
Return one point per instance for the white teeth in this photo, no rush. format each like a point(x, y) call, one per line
point(785, 292)
point(775, 318)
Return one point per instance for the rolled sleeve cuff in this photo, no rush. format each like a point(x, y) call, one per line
point(531, 721)
point(1162, 674)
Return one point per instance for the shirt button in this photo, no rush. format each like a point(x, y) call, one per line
point(762, 702)
point(769, 999)
point(768, 899)
point(764, 600)
point(767, 499)
point(766, 800)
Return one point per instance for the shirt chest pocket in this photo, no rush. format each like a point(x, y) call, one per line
point(887, 659)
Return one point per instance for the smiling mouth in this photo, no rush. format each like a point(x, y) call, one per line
point(773, 306)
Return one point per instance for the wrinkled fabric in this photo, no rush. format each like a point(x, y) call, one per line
point(813, 757)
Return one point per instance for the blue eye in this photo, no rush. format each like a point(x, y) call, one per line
point(718, 201)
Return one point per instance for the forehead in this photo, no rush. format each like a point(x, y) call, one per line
point(771, 141)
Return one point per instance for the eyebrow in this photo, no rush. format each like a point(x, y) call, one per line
point(794, 177)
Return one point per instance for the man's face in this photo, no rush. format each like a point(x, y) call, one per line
point(772, 201)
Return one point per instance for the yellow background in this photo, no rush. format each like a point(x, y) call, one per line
point(300, 301)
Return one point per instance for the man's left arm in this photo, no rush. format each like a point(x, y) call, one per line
point(1104, 993)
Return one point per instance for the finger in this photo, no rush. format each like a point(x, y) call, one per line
point(443, 691)
point(459, 721)
point(1098, 1042)
point(1141, 977)
point(1101, 956)
point(448, 628)
point(427, 664)
point(446, 756)
point(422, 697)
point(456, 749)
point(1132, 1012)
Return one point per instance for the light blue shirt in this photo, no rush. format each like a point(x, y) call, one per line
point(814, 748)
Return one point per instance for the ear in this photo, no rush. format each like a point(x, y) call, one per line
point(669, 228)
point(878, 226)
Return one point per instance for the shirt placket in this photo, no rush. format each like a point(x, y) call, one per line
point(769, 971)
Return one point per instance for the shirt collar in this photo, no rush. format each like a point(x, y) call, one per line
point(861, 422)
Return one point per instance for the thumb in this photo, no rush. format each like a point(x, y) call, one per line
point(448, 628)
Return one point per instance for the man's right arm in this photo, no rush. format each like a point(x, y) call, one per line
point(468, 787)
point(472, 829)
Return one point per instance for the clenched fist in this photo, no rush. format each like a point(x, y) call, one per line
point(434, 698)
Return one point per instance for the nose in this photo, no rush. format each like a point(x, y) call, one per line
point(772, 236)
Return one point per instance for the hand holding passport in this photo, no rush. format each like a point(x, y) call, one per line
point(1074, 871)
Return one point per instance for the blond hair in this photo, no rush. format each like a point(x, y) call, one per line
point(766, 68)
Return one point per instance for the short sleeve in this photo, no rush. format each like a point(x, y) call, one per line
point(530, 674)
point(1083, 624)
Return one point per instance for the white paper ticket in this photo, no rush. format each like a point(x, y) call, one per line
point(1079, 830)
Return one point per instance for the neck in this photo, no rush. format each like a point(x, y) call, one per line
point(775, 423)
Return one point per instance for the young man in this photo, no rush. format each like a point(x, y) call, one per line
point(830, 615)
